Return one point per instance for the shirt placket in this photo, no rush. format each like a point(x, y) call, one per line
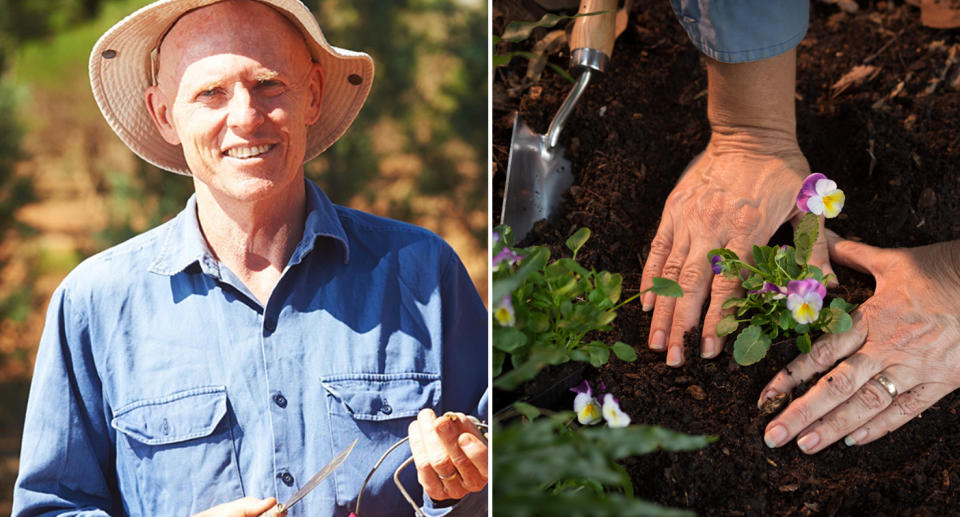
point(278, 410)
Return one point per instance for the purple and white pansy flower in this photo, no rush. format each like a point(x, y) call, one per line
point(612, 413)
point(805, 299)
point(508, 256)
point(586, 406)
point(503, 312)
point(820, 196)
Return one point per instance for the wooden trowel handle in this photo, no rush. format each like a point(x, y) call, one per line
point(597, 31)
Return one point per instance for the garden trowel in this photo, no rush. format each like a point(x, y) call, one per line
point(537, 172)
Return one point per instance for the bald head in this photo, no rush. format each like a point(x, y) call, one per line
point(232, 26)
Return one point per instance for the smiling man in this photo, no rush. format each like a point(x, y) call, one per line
point(215, 363)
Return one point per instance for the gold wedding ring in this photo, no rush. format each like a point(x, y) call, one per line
point(887, 384)
point(444, 478)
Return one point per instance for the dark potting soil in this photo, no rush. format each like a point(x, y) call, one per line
point(892, 143)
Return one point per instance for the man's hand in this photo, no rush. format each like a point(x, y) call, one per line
point(450, 454)
point(246, 507)
point(734, 195)
point(908, 332)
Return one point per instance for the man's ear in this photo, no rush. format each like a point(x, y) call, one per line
point(160, 111)
point(316, 94)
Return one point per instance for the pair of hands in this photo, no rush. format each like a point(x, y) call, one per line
point(449, 452)
point(908, 331)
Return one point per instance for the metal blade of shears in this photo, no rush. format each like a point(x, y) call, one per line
point(317, 478)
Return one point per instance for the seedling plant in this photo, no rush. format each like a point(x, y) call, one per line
point(544, 309)
point(784, 292)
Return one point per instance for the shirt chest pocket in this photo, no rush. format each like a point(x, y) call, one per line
point(175, 454)
point(377, 409)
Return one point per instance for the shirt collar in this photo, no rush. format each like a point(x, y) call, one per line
point(184, 245)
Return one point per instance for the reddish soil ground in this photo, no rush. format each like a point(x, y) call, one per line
point(893, 149)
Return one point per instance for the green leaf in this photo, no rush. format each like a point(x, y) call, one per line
point(751, 346)
point(733, 302)
point(763, 258)
point(728, 325)
point(537, 322)
point(803, 343)
point(610, 284)
point(502, 59)
point(786, 320)
point(791, 262)
point(604, 318)
point(580, 355)
point(801, 329)
point(599, 355)
point(498, 357)
point(566, 289)
point(840, 303)
point(526, 410)
point(534, 261)
point(578, 239)
point(815, 273)
point(666, 287)
point(753, 283)
point(839, 322)
point(508, 339)
point(804, 235)
point(624, 351)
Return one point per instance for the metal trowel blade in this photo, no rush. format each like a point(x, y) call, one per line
point(537, 177)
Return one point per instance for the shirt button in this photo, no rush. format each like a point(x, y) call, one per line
point(287, 478)
point(280, 400)
point(386, 409)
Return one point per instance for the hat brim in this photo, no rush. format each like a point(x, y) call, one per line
point(121, 71)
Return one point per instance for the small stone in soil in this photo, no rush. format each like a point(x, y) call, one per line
point(696, 392)
point(771, 406)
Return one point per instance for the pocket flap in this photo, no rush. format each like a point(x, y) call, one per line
point(178, 417)
point(369, 396)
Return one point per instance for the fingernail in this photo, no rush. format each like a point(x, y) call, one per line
point(675, 356)
point(442, 425)
point(809, 441)
point(659, 340)
point(765, 396)
point(647, 302)
point(708, 348)
point(774, 436)
point(855, 438)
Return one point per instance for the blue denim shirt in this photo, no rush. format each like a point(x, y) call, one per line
point(163, 387)
point(736, 31)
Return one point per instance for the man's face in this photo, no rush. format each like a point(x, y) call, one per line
point(238, 90)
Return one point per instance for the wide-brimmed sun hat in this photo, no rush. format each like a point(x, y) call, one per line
point(122, 68)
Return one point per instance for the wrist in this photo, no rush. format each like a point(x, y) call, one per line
point(752, 104)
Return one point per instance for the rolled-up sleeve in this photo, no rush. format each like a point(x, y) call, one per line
point(743, 30)
point(65, 465)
